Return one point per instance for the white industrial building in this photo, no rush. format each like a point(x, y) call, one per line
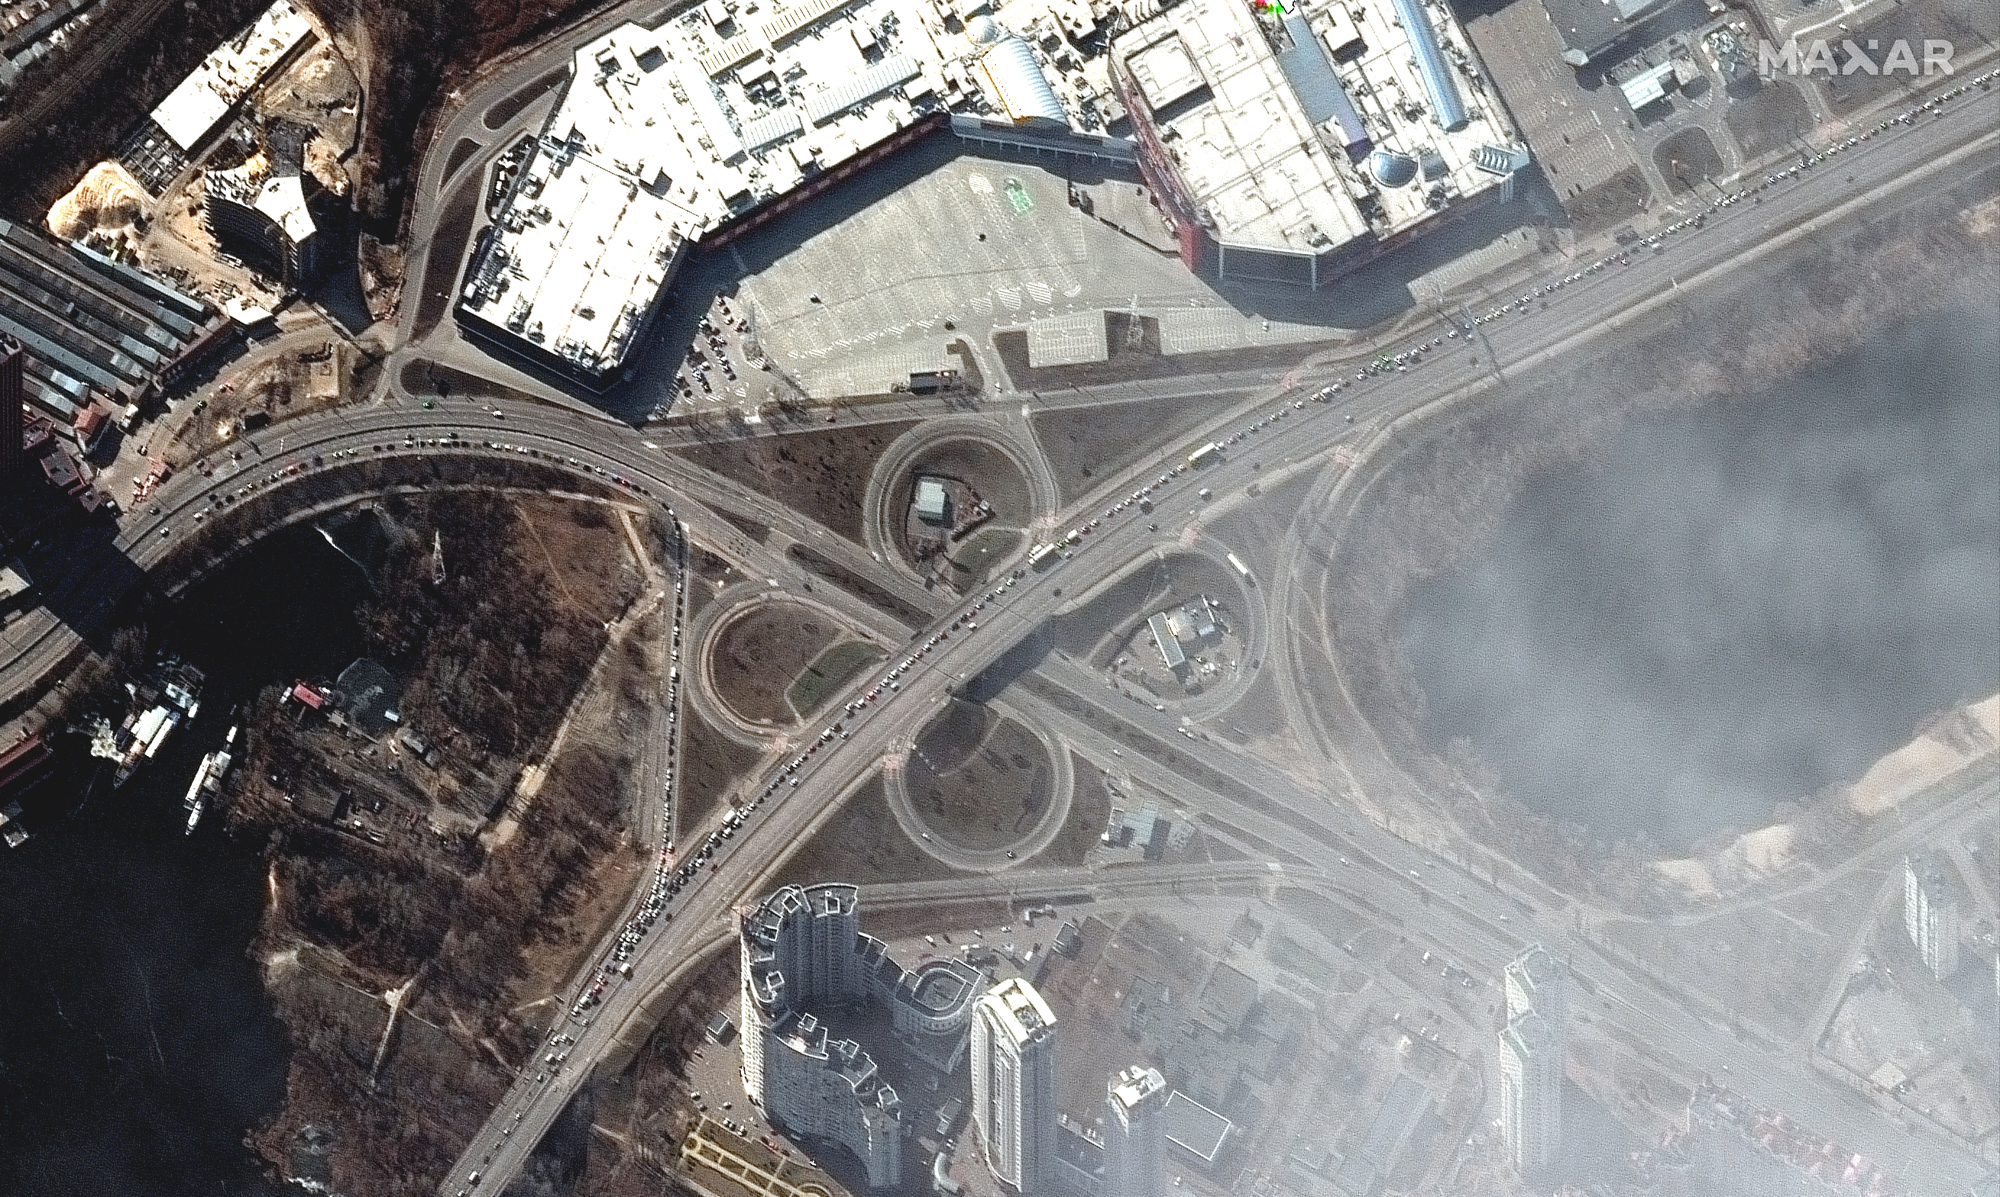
point(933, 504)
point(1930, 913)
point(1295, 147)
point(1287, 149)
point(1135, 1161)
point(1014, 1084)
point(803, 955)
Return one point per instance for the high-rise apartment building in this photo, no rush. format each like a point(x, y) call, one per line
point(1930, 913)
point(1134, 1142)
point(798, 949)
point(1534, 981)
point(804, 960)
point(1532, 1046)
point(1530, 1091)
point(1014, 1084)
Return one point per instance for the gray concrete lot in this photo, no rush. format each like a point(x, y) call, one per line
point(969, 246)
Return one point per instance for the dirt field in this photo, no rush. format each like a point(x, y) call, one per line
point(292, 383)
point(829, 671)
point(822, 472)
point(840, 577)
point(1610, 203)
point(979, 553)
point(1686, 159)
point(757, 657)
point(978, 780)
point(1768, 966)
point(861, 845)
point(987, 471)
point(588, 557)
point(711, 764)
point(1965, 23)
point(1143, 361)
point(1771, 118)
point(1090, 809)
point(1083, 445)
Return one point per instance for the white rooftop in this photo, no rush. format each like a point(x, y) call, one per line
point(931, 499)
point(1136, 1087)
point(191, 110)
point(1019, 1011)
point(283, 199)
point(665, 134)
point(1263, 154)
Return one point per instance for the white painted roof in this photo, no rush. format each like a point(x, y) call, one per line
point(1647, 86)
point(283, 199)
point(191, 110)
point(664, 134)
point(1252, 159)
point(1019, 1011)
point(1163, 69)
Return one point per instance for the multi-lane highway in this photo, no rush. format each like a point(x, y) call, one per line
point(1469, 918)
point(1286, 430)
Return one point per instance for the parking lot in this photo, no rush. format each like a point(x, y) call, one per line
point(851, 294)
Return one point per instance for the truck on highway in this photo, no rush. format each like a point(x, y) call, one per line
point(1236, 563)
point(1043, 556)
point(1207, 455)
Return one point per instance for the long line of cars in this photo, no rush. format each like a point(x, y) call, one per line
point(1623, 255)
point(449, 439)
point(676, 873)
point(672, 878)
point(670, 883)
point(666, 883)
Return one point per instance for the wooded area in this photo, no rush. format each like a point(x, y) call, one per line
point(412, 53)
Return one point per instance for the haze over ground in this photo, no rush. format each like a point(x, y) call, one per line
point(1737, 605)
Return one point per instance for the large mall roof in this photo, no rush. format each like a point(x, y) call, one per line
point(1269, 121)
point(664, 135)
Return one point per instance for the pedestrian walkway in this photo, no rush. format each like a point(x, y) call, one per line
point(706, 1146)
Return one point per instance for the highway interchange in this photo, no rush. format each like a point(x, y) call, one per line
point(1471, 922)
point(1298, 422)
